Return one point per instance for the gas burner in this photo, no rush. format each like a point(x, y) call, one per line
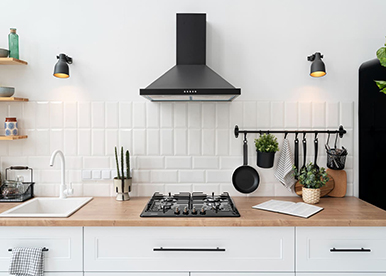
point(185, 204)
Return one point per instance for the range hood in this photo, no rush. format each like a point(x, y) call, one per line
point(190, 79)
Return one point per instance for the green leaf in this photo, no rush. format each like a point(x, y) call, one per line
point(381, 55)
point(383, 91)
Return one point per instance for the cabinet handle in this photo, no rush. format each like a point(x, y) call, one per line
point(350, 250)
point(190, 249)
point(44, 249)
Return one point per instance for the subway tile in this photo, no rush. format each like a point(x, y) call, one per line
point(332, 115)
point(164, 176)
point(194, 115)
point(50, 176)
point(167, 115)
point(139, 114)
point(280, 190)
point(208, 115)
point(42, 142)
point(236, 144)
point(222, 115)
point(56, 114)
point(84, 114)
point(150, 162)
point(218, 176)
point(153, 142)
point(141, 176)
point(191, 176)
point(15, 110)
point(207, 188)
point(70, 142)
point(95, 162)
point(231, 190)
point(152, 115)
point(319, 115)
point(40, 162)
point(177, 188)
point(125, 140)
point(178, 162)
point(263, 114)
point(208, 142)
point(305, 115)
point(97, 189)
point(167, 142)
point(74, 162)
point(112, 115)
point(29, 112)
point(98, 142)
point(291, 115)
point(200, 162)
point(56, 140)
point(222, 142)
point(236, 114)
point(97, 114)
point(180, 141)
point(139, 142)
point(84, 142)
point(4, 146)
point(277, 114)
point(125, 114)
point(70, 115)
point(150, 189)
point(111, 140)
point(264, 189)
point(42, 115)
point(249, 115)
point(194, 142)
point(180, 111)
point(9, 161)
point(347, 114)
point(15, 148)
point(29, 144)
point(227, 162)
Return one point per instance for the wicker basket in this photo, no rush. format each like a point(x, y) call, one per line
point(311, 196)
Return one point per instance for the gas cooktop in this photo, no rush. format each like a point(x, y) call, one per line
point(196, 204)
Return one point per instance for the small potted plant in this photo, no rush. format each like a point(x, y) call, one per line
point(122, 183)
point(312, 180)
point(266, 147)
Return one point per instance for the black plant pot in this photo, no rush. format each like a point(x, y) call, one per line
point(265, 159)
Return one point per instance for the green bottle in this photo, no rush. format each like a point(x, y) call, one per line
point(13, 43)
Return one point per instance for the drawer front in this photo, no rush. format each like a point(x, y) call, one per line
point(189, 249)
point(238, 274)
point(64, 245)
point(52, 274)
point(137, 274)
point(346, 249)
point(339, 274)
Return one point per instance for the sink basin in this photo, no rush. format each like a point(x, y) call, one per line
point(49, 207)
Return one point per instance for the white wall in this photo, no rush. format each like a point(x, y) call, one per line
point(120, 46)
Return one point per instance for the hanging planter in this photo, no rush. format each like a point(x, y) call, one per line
point(266, 147)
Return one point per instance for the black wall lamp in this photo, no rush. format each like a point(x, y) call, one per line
point(318, 69)
point(61, 69)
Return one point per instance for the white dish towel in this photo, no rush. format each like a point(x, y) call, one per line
point(284, 172)
point(27, 261)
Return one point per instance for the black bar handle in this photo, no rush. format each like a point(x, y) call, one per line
point(19, 168)
point(44, 249)
point(191, 249)
point(350, 250)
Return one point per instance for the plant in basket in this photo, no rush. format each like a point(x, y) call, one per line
point(122, 182)
point(312, 180)
point(266, 147)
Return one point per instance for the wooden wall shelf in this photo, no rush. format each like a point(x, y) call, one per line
point(9, 138)
point(12, 61)
point(13, 99)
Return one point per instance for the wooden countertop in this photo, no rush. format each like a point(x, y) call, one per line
point(106, 211)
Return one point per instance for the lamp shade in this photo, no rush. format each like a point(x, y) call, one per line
point(61, 69)
point(318, 69)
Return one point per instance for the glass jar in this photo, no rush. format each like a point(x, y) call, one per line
point(13, 44)
point(11, 127)
point(12, 189)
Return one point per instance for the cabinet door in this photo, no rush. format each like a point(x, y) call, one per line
point(64, 244)
point(242, 274)
point(191, 249)
point(52, 274)
point(341, 249)
point(138, 274)
point(340, 274)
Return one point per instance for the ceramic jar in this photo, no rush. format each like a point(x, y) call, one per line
point(11, 127)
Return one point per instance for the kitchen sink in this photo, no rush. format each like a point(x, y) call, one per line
point(49, 207)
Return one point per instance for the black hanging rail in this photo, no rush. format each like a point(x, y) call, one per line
point(44, 249)
point(341, 131)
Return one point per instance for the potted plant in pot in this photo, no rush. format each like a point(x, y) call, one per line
point(122, 183)
point(266, 147)
point(312, 180)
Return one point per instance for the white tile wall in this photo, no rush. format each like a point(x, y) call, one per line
point(174, 146)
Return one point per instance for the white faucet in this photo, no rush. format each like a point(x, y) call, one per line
point(63, 192)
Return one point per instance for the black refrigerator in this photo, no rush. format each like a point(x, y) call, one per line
point(372, 134)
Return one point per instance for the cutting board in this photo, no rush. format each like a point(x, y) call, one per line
point(325, 190)
point(340, 178)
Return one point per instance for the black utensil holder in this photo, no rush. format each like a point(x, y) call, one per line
point(335, 161)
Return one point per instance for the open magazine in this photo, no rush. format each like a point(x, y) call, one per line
point(299, 209)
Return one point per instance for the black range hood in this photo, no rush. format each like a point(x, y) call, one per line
point(190, 79)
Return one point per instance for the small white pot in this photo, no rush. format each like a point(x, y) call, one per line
point(311, 196)
point(122, 194)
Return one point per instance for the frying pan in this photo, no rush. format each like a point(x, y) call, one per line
point(245, 179)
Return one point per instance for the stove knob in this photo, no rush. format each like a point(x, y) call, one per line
point(202, 212)
point(185, 212)
point(177, 211)
point(194, 211)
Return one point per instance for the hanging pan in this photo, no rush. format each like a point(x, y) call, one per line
point(245, 178)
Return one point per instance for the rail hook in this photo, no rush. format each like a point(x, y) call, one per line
point(285, 135)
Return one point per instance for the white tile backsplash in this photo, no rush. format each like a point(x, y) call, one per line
point(173, 146)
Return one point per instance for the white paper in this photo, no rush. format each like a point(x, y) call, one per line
point(299, 209)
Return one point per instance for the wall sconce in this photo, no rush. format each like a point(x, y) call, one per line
point(318, 69)
point(61, 69)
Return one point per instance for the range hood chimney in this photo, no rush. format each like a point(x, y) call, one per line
point(190, 79)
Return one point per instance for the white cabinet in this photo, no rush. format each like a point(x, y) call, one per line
point(339, 274)
point(243, 274)
point(189, 249)
point(341, 249)
point(137, 274)
point(52, 274)
point(65, 246)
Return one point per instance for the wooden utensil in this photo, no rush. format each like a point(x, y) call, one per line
point(325, 190)
point(340, 178)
